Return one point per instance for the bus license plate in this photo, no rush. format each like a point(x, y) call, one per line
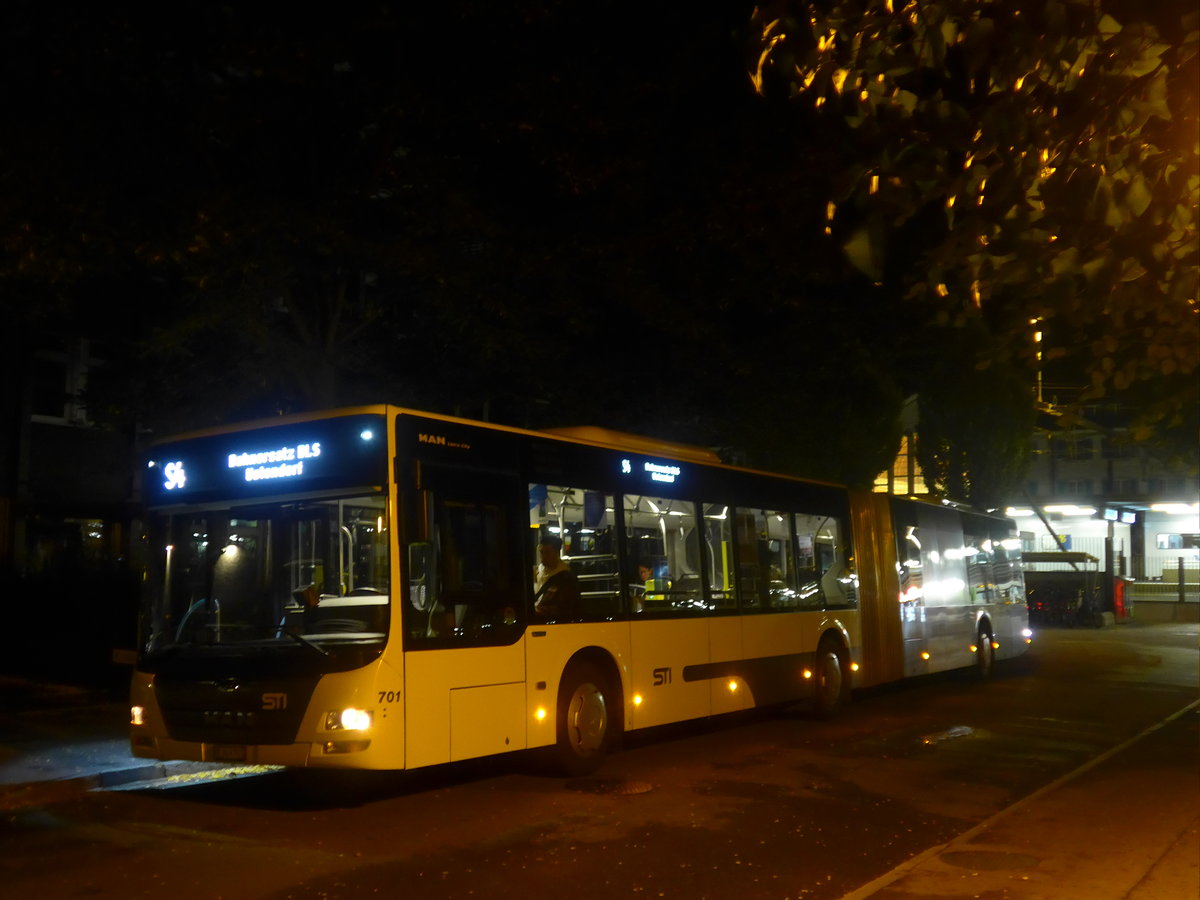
point(229, 752)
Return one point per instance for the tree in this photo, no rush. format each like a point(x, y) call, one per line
point(1005, 164)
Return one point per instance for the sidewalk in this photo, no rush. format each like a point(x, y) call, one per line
point(1124, 827)
point(60, 740)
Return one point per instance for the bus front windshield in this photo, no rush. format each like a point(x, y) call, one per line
point(312, 575)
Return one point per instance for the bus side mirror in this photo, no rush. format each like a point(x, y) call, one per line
point(420, 557)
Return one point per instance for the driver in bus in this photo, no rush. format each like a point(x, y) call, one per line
point(555, 587)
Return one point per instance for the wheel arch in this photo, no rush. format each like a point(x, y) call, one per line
point(604, 661)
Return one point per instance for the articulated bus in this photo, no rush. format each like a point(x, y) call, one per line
point(356, 589)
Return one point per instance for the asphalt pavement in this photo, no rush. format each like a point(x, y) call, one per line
point(1125, 826)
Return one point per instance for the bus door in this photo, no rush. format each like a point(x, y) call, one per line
point(728, 686)
point(577, 610)
point(464, 617)
point(670, 650)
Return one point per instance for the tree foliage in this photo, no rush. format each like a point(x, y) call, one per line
point(1016, 165)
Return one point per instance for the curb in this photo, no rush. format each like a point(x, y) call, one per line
point(35, 793)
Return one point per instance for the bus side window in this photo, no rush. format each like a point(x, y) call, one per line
point(977, 553)
point(766, 571)
point(808, 575)
point(1006, 565)
point(909, 562)
point(751, 574)
point(662, 550)
point(582, 523)
point(461, 579)
point(719, 559)
point(839, 586)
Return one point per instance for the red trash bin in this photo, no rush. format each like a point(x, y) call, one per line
point(1122, 603)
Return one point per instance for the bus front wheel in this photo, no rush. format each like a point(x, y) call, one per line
point(585, 719)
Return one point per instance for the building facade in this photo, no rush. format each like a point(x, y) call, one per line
point(1091, 490)
point(66, 516)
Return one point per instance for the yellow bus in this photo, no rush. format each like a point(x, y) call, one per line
point(381, 588)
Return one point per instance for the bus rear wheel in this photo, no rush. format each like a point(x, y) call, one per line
point(832, 686)
point(985, 654)
point(585, 719)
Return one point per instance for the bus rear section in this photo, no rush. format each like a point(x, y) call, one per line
point(943, 588)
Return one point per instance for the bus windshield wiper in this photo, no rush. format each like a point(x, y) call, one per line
point(305, 641)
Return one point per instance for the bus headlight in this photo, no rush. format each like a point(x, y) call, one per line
point(137, 715)
point(349, 719)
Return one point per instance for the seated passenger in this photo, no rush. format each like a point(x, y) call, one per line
point(639, 585)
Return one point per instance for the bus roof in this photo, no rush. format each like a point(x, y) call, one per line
point(621, 440)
